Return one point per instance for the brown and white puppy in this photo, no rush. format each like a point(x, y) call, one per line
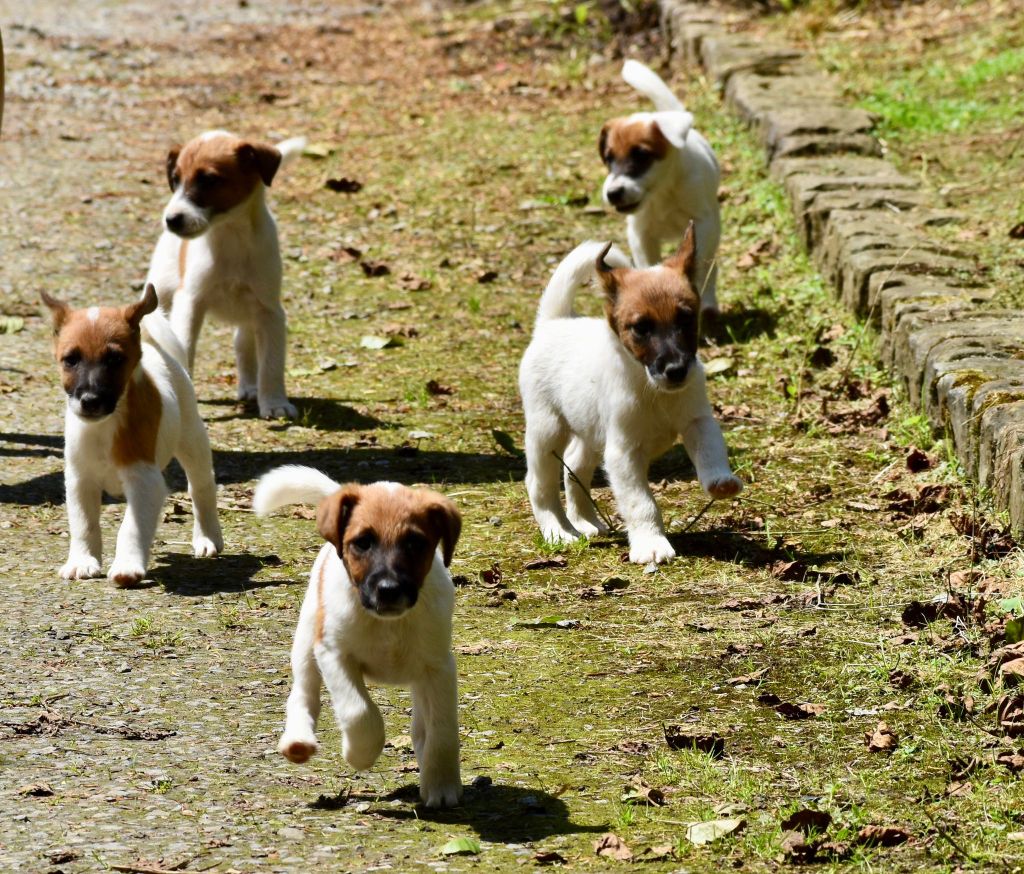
point(617, 391)
point(663, 175)
point(130, 409)
point(219, 255)
point(378, 608)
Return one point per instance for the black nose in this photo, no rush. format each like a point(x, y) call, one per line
point(90, 402)
point(176, 222)
point(388, 591)
point(616, 196)
point(676, 372)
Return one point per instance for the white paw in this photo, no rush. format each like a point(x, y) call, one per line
point(297, 749)
point(81, 568)
point(441, 794)
point(648, 548)
point(205, 547)
point(554, 533)
point(727, 486)
point(282, 409)
point(587, 528)
point(246, 393)
point(126, 573)
point(361, 749)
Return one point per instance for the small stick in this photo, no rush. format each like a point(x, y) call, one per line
point(693, 521)
point(572, 475)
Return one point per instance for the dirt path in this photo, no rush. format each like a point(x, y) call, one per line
point(138, 727)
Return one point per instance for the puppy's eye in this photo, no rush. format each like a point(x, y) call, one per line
point(205, 179)
point(71, 359)
point(642, 328)
point(640, 155)
point(684, 315)
point(113, 358)
point(414, 543)
point(363, 543)
point(176, 179)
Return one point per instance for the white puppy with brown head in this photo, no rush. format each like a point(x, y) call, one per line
point(378, 608)
point(617, 391)
point(130, 409)
point(662, 175)
point(219, 256)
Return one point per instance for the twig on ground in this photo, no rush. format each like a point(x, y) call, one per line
point(572, 475)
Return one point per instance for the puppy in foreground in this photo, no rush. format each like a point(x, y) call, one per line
point(130, 409)
point(219, 255)
point(662, 175)
point(617, 391)
point(378, 608)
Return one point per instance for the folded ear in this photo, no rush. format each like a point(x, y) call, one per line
point(261, 157)
point(674, 126)
point(684, 259)
point(134, 312)
point(606, 273)
point(172, 166)
point(58, 310)
point(334, 512)
point(445, 522)
point(602, 140)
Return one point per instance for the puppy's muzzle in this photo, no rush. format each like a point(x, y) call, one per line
point(87, 404)
point(184, 225)
point(619, 198)
point(669, 373)
point(387, 594)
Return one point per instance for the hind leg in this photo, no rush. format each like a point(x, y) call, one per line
point(195, 457)
point(245, 360)
point(547, 434)
point(578, 505)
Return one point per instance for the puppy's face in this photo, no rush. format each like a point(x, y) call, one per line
point(386, 536)
point(97, 350)
point(655, 313)
point(632, 149)
point(212, 175)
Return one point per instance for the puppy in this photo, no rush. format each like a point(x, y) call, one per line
point(618, 390)
point(130, 409)
point(219, 255)
point(378, 608)
point(663, 174)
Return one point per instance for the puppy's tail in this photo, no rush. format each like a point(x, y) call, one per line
point(651, 85)
point(290, 149)
point(158, 331)
point(575, 271)
point(291, 484)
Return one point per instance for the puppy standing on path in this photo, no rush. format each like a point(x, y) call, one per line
point(663, 174)
point(618, 390)
point(219, 255)
point(379, 607)
point(130, 409)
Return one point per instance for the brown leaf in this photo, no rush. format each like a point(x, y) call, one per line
point(1017, 231)
point(375, 268)
point(917, 614)
point(436, 388)
point(548, 857)
point(882, 835)
point(35, 790)
point(658, 853)
point(752, 603)
point(1012, 673)
point(799, 711)
point(397, 329)
point(768, 699)
point(347, 254)
point(806, 820)
point(613, 847)
point(412, 282)
point(1010, 710)
point(756, 254)
point(535, 564)
point(901, 679)
point(487, 276)
point(749, 679)
point(1013, 761)
point(919, 460)
point(789, 570)
point(680, 737)
point(882, 740)
point(795, 848)
point(640, 791)
point(837, 851)
point(343, 185)
point(492, 576)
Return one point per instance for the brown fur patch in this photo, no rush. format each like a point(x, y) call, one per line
point(318, 623)
point(182, 259)
point(135, 440)
point(220, 172)
point(77, 333)
point(620, 136)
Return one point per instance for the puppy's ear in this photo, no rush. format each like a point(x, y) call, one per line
point(602, 141)
point(134, 312)
point(445, 522)
point(58, 310)
point(684, 259)
point(674, 126)
point(606, 273)
point(334, 512)
point(262, 158)
point(172, 164)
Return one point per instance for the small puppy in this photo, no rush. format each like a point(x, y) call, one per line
point(379, 608)
point(219, 255)
point(618, 390)
point(663, 175)
point(130, 409)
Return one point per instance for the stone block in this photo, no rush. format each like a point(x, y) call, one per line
point(752, 95)
point(725, 54)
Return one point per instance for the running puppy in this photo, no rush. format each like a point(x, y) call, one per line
point(618, 390)
point(219, 255)
point(379, 608)
point(130, 409)
point(663, 174)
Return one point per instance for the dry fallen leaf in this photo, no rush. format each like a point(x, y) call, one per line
point(343, 185)
point(748, 679)
point(679, 737)
point(882, 835)
point(799, 711)
point(796, 848)
point(613, 847)
point(806, 820)
point(882, 740)
point(701, 833)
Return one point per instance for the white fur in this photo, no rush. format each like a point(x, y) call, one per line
point(682, 187)
point(233, 273)
point(89, 471)
point(587, 399)
point(412, 650)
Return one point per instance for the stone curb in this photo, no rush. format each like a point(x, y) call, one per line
point(866, 226)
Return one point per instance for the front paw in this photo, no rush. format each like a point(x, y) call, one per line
point(722, 487)
point(206, 547)
point(83, 567)
point(553, 532)
point(441, 794)
point(282, 409)
point(587, 528)
point(126, 574)
point(297, 749)
point(650, 548)
point(246, 393)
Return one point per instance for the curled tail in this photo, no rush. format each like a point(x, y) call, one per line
point(291, 484)
point(157, 331)
point(651, 85)
point(575, 271)
point(290, 149)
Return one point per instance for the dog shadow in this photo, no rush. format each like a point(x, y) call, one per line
point(740, 325)
point(185, 575)
point(322, 414)
point(42, 445)
point(496, 812)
